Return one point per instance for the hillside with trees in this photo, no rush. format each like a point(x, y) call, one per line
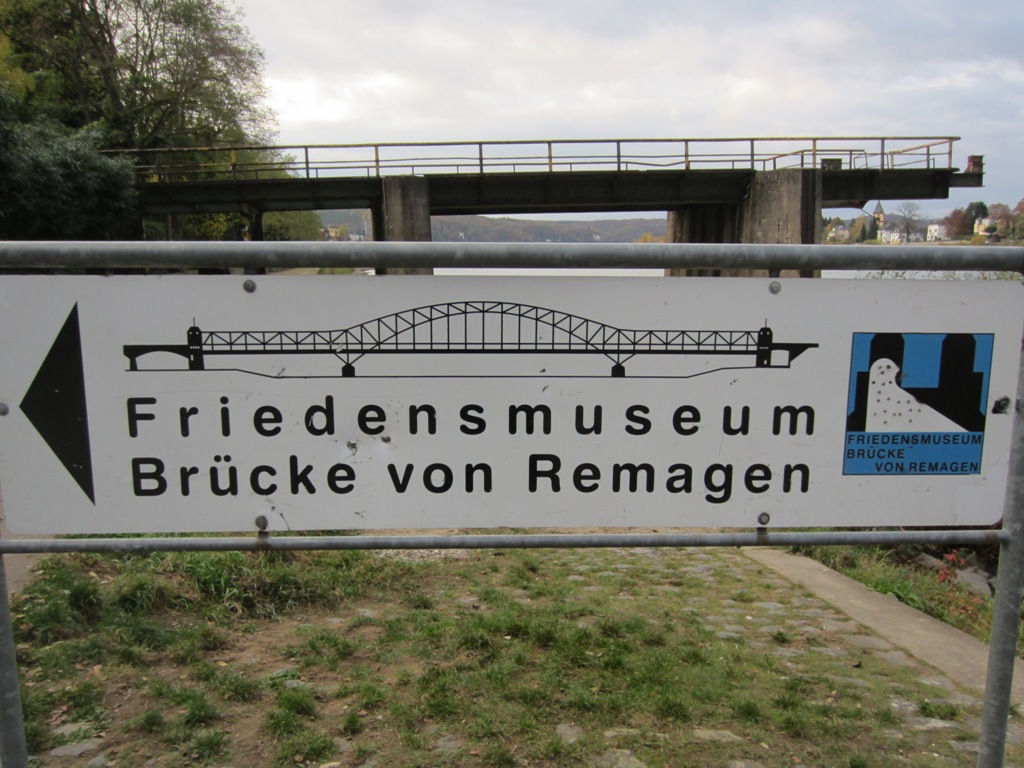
point(485, 229)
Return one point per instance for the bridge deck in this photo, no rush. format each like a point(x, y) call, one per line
point(541, 176)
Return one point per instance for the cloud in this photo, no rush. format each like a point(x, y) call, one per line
point(426, 70)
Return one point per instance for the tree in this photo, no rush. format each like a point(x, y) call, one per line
point(277, 225)
point(136, 74)
point(911, 213)
point(291, 225)
point(1016, 226)
point(650, 237)
point(150, 73)
point(975, 211)
point(959, 223)
point(57, 185)
point(1003, 217)
point(12, 77)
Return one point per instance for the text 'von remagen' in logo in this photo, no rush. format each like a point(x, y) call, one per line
point(917, 403)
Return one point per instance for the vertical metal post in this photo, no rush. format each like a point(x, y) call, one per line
point(305, 151)
point(480, 155)
point(1006, 611)
point(13, 749)
point(550, 158)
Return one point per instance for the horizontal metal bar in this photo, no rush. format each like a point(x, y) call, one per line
point(760, 537)
point(27, 255)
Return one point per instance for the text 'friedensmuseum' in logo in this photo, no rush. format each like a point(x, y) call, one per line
point(917, 403)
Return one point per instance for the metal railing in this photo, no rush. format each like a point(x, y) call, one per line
point(325, 161)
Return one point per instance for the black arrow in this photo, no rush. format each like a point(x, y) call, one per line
point(55, 404)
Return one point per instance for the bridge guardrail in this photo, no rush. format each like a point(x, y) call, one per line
point(323, 161)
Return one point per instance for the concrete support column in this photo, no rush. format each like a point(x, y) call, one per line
point(404, 215)
point(782, 207)
point(703, 223)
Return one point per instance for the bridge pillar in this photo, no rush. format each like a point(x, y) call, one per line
point(781, 207)
point(703, 223)
point(253, 219)
point(404, 214)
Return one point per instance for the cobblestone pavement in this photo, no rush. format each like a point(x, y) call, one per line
point(803, 631)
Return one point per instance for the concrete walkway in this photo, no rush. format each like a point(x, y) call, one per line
point(957, 655)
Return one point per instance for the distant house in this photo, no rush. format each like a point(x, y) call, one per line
point(937, 233)
point(981, 225)
point(838, 233)
point(890, 234)
point(333, 233)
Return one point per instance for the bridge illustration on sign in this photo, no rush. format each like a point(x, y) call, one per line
point(478, 328)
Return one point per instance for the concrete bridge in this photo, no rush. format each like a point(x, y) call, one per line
point(745, 190)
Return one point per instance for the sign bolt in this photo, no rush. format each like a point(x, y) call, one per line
point(1002, 405)
point(4, 410)
point(764, 518)
point(262, 534)
point(249, 286)
point(774, 287)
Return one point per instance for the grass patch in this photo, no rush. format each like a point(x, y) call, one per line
point(323, 647)
point(208, 745)
point(893, 571)
point(304, 748)
point(299, 701)
point(940, 710)
point(473, 660)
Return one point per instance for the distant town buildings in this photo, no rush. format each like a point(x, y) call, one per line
point(339, 234)
point(879, 226)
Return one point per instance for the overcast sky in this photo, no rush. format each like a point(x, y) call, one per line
point(341, 71)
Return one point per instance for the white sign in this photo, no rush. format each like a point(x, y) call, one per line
point(188, 403)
